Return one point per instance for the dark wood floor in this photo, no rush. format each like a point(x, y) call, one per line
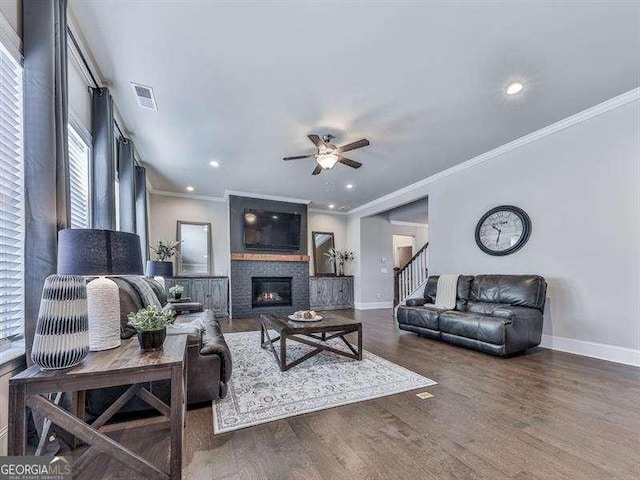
point(543, 415)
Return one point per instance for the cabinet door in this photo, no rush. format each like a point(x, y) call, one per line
point(346, 294)
point(314, 292)
point(218, 292)
point(201, 292)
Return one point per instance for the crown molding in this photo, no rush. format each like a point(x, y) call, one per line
point(328, 212)
point(579, 117)
point(402, 223)
point(262, 196)
point(190, 196)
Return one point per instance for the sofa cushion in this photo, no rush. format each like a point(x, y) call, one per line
point(484, 308)
point(475, 326)
point(462, 295)
point(519, 290)
point(129, 302)
point(423, 317)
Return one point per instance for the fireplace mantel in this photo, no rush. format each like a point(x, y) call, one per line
point(269, 257)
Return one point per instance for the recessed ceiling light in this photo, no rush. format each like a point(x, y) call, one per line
point(214, 163)
point(349, 186)
point(332, 206)
point(514, 87)
point(190, 188)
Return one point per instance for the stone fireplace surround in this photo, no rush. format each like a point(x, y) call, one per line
point(242, 271)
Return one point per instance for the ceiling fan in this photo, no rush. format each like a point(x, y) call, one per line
point(328, 154)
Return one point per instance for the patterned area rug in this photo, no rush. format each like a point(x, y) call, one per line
point(260, 393)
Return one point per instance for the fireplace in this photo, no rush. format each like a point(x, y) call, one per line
point(270, 291)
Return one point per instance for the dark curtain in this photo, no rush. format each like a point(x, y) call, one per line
point(142, 224)
point(46, 170)
point(126, 185)
point(103, 176)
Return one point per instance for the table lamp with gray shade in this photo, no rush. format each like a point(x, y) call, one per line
point(100, 253)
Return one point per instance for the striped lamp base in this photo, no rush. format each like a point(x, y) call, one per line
point(62, 332)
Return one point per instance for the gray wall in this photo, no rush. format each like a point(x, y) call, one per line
point(376, 246)
point(326, 222)
point(376, 254)
point(581, 187)
point(237, 206)
point(166, 211)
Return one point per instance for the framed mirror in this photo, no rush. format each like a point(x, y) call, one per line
point(322, 243)
point(195, 249)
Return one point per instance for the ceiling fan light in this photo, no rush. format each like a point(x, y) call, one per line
point(327, 161)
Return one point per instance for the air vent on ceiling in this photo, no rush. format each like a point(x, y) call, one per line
point(145, 96)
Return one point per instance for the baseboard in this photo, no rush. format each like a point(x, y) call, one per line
point(612, 353)
point(372, 305)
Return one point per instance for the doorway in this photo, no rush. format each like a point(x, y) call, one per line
point(403, 249)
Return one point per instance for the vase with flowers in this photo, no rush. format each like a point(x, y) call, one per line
point(340, 257)
point(162, 264)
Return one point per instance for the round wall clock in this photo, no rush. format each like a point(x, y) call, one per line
point(503, 230)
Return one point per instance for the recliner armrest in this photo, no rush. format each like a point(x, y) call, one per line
point(415, 302)
point(503, 313)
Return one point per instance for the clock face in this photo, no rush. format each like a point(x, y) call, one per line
point(503, 230)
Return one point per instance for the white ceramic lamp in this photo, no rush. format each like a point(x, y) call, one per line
point(100, 253)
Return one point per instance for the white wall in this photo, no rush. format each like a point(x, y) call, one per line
point(326, 222)
point(579, 179)
point(166, 211)
point(581, 188)
point(376, 253)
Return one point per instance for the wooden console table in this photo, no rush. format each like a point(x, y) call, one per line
point(120, 366)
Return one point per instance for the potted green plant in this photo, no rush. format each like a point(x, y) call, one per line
point(176, 291)
point(162, 265)
point(151, 325)
point(340, 258)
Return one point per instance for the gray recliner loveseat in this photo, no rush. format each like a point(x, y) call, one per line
point(496, 314)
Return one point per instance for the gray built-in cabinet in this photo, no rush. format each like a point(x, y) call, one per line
point(331, 293)
point(211, 292)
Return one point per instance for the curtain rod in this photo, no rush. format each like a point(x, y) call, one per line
point(88, 68)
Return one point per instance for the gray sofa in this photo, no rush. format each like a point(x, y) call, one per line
point(209, 364)
point(496, 314)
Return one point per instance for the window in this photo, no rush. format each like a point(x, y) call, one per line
point(78, 178)
point(11, 201)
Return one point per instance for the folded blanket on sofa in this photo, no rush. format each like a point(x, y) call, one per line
point(447, 292)
point(147, 295)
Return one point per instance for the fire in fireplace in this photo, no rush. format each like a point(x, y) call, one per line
point(270, 291)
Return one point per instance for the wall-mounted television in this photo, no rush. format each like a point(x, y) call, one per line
point(271, 230)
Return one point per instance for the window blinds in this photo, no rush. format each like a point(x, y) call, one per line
point(11, 200)
point(78, 179)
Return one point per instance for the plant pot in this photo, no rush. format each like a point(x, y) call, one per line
point(151, 340)
point(157, 268)
point(177, 296)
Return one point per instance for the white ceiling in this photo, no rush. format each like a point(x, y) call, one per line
point(244, 83)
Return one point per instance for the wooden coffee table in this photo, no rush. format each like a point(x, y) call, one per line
point(314, 334)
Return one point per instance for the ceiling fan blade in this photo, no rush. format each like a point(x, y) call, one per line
point(352, 146)
point(316, 170)
point(350, 163)
point(317, 141)
point(299, 157)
